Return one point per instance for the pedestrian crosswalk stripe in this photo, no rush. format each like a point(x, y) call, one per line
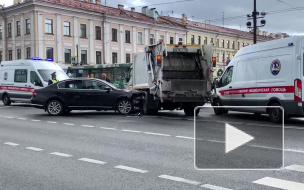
point(298, 168)
point(279, 183)
point(178, 179)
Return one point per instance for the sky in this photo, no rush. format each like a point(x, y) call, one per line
point(282, 15)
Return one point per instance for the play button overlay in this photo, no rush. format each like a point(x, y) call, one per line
point(235, 138)
point(237, 141)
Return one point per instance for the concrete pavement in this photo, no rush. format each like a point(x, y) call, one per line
point(101, 150)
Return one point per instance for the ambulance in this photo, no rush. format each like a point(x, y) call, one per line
point(265, 74)
point(20, 77)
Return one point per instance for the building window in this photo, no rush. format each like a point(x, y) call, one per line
point(9, 30)
point(114, 57)
point(162, 38)
point(151, 38)
point(67, 55)
point(66, 28)
point(228, 57)
point(205, 41)
point(18, 25)
point(128, 36)
point(114, 34)
point(211, 41)
point(139, 38)
point(10, 55)
point(128, 58)
point(98, 57)
point(48, 26)
point(238, 45)
point(27, 26)
point(223, 57)
point(171, 40)
point(49, 53)
point(83, 31)
point(98, 32)
point(228, 44)
point(217, 57)
point(0, 56)
point(233, 45)
point(28, 53)
point(1, 31)
point(192, 39)
point(217, 43)
point(180, 40)
point(18, 53)
point(223, 43)
point(243, 44)
point(84, 57)
point(199, 40)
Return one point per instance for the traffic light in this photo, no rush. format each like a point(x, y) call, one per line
point(214, 61)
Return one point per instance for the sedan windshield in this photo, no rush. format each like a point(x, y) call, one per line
point(46, 74)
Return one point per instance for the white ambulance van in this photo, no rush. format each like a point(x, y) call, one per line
point(20, 77)
point(266, 74)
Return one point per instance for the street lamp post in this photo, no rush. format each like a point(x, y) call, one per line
point(254, 16)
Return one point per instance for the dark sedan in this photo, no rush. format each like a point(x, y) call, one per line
point(86, 94)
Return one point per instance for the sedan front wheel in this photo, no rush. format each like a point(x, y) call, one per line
point(54, 108)
point(124, 106)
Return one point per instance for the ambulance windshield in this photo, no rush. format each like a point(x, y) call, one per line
point(46, 74)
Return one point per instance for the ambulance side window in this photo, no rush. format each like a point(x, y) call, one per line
point(20, 76)
point(227, 77)
point(35, 80)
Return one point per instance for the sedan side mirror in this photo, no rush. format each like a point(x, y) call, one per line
point(108, 89)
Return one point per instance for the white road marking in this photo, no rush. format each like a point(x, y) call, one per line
point(53, 122)
point(34, 149)
point(92, 161)
point(22, 118)
point(131, 131)
point(131, 169)
point(61, 154)
point(279, 183)
point(8, 117)
point(107, 128)
point(182, 137)
point(178, 179)
point(88, 126)
point(208, 186)
point(35, 120)
point(69, 124)
point(293, 150)
point(158, 134)
point(298, 168)
point(11, 144)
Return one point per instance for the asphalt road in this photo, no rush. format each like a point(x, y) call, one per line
point(102, 150)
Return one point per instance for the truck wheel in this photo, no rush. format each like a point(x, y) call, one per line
point(275, 114)
point(6, 100)
point(219, 111)
point(54, 108)
point(189, 110)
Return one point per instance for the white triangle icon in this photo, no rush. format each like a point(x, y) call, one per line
point(235, 138)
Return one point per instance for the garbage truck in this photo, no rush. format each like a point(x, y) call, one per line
point(173, 77)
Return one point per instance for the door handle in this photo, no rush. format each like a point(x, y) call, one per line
point(230, 86)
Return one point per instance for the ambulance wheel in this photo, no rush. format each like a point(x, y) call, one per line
point(275, 114)
point(219, 111)
point(55, 108)
point(6, 100)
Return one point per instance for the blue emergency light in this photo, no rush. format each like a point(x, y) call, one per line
point(290, 44)
point(49, 59)
point(35, 58)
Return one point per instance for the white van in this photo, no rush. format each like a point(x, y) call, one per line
point(20, 77)
point(265, 74)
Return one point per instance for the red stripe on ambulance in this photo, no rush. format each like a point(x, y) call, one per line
point(258, 90)
point(17, 88)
